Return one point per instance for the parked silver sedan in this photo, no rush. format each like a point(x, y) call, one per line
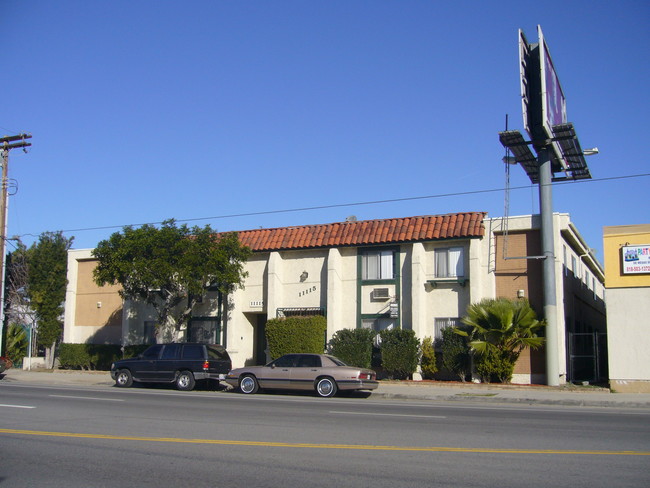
point(320, 372)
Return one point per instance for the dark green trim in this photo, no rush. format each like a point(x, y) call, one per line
point(397, 250)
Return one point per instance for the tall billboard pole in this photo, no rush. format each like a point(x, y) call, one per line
point(558, 151)
point(548, 251)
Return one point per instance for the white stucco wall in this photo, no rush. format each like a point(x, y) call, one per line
point(628, 312)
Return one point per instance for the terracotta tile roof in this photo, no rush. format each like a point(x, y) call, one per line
point(366, 232)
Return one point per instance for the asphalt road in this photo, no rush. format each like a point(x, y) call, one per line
point(105, 437)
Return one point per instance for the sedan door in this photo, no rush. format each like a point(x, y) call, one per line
point(308, 368)
point(277, 374)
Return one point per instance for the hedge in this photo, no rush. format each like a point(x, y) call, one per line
point(94, 356)
point(296, 334)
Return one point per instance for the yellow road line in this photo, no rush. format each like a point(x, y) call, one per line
point(320, 446)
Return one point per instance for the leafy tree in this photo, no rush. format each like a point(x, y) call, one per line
point(170, 266)
point(47, 262)
point(499, 330)
point(17, 304)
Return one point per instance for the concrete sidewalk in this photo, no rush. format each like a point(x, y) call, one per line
point(567, 395)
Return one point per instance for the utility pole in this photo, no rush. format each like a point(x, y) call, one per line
point(7, 143)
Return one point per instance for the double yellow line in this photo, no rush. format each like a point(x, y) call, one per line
point(318, 446)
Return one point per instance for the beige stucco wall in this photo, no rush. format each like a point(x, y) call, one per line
point(92, 313)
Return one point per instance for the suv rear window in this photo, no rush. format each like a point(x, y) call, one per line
point(217, 352)
point(193, 351)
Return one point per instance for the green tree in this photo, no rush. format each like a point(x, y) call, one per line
point(47, 262)
point(170, 268)
point(499, 330)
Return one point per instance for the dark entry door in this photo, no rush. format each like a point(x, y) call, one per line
point(261, 346)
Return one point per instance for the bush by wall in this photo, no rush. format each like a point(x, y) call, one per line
point(495, 366)
point(455, 354)
point(400, 352)
point(296, 334)
point(428, 361)
point(353, 346)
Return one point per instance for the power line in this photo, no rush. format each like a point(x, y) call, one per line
point(352, 204)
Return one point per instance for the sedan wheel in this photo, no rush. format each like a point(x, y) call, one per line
point(326, 387)
point(185, 381)
point(248, 384)
point(123, 379)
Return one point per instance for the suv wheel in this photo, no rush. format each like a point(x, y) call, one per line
point(123, 378)
point(185, 381)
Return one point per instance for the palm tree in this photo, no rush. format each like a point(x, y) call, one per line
point(499, 330)
point(16, 343)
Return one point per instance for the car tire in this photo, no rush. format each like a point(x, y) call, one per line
point(123, 378)
point(185, 381)
point(248, 384)
point(326, 387)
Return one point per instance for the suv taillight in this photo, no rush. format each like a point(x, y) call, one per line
point(206, 365)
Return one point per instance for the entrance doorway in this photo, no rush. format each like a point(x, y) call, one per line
point(261, 348)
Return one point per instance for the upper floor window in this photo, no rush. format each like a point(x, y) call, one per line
point(449, 262)
point(377, 265)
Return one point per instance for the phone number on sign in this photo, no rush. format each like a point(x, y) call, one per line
point(638, 269)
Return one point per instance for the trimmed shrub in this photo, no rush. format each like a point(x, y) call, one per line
point(353, 346)
point(296, 334)
point(400, 352)
point(88, 356)
point(455, 354)
point(428, 361)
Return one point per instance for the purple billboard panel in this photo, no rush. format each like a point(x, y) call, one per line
point(555, 103)
point(553, 100)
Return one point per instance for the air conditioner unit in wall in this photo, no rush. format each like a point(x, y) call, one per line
point(380, 294)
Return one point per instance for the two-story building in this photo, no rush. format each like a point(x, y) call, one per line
point(418, 273)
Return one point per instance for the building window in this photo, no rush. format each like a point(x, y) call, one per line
point(378, 324)
point(442, 322)
point(377, 265)
point(149, 334)
point(449, 262)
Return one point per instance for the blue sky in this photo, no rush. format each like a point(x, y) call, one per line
point(227, 113)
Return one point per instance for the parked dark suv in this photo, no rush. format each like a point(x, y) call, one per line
point(180, 363)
